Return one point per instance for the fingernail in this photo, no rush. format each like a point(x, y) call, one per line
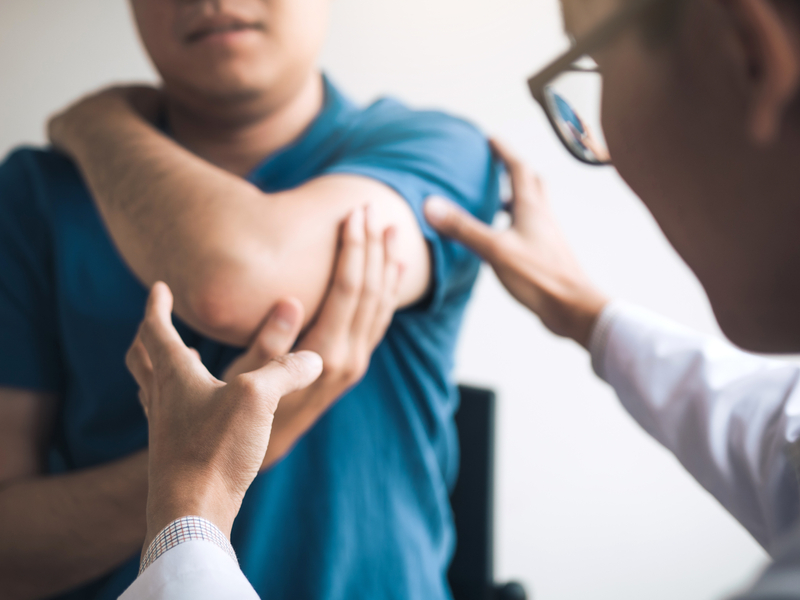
point(284, 317)
point(312, 359)
point(372, 218)
point(436, 210)
point(282, 323)
point(355, 224)
point(391, 240)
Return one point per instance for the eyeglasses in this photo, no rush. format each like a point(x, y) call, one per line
point(569, 89)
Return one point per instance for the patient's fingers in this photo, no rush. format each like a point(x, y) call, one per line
point(279, 332)
point(372, 287)
point(393, 273)
point(340, 305)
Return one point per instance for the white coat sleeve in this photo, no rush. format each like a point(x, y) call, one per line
point(781, 580)
point(194, 570)
point(731, 418)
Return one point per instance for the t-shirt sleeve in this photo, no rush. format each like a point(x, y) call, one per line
point(29, 349)
point(419, 154)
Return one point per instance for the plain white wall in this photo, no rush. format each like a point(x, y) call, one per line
point(587, 505)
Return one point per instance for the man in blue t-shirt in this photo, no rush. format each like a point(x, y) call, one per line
point(236, 203)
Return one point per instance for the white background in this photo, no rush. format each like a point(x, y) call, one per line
point(587, 505)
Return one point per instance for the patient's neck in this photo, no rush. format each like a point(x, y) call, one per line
point(237, 137)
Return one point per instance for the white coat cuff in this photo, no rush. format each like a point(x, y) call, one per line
point(598, 342)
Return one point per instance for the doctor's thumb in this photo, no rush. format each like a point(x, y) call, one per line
point(453, 221)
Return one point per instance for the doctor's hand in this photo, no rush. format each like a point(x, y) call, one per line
point(351, 323)
point(532, 258)
point(207, 437)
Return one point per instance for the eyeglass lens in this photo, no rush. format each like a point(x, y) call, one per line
point(573, 102)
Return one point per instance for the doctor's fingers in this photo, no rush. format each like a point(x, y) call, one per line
point(279, 377)
point(168, 354)
point(453, 221)
point(138, 362)
point(275, 338)
point(527, 188)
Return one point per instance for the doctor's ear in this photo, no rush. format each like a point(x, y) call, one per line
point(770, 64)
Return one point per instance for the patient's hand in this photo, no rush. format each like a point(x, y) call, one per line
point(352, 321)
point(207, 437)
point(105, 108)
point(532, 258)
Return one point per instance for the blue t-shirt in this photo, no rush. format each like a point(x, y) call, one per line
point(359, 508)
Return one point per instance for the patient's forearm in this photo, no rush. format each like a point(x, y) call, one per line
point(227, 250)
point(146, 189)
point(59, 532)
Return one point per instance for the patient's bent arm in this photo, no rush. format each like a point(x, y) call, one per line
point(228, 250)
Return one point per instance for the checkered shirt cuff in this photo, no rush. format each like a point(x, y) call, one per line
point(183, 530)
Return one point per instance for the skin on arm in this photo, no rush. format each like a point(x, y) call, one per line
point(532, 258)
point(352, 321)
point(57, 532)
point(228, 250)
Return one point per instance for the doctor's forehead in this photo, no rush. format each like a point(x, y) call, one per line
point(581, 16)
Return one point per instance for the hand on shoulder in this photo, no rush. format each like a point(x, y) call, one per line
point(532, 258)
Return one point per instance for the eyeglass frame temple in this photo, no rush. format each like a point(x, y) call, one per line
point(594, 39)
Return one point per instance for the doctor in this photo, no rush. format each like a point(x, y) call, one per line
point(701, 116)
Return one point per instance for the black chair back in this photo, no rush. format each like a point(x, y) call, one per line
point(471, 573)
point(472, 570)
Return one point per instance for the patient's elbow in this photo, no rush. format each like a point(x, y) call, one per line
point(226, 304)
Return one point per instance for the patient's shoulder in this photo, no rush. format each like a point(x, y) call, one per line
point(392, 121)
point(431, 145)
point(37, 161)
point(31, 178)
point(30, 168)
